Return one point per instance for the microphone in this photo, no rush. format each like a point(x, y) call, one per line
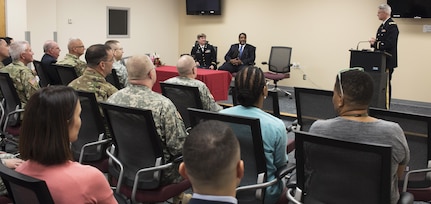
point(357, 46)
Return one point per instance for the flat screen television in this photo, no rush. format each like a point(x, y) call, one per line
point(410, 8)
point(203, 7)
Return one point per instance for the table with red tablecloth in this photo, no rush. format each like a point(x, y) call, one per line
point(217, 81)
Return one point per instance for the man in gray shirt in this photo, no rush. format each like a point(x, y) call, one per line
point(353, 91)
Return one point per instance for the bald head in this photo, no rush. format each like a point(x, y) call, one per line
point(138, 67)
point(185, 65)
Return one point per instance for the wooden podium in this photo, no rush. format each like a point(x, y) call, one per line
point(374, 63)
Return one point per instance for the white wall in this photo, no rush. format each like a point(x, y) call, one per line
point(320, 32)
point(153, 26)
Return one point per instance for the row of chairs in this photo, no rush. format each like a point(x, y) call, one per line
point(313, 104)
point(67, 74)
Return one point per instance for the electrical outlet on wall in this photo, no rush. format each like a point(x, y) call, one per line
point(304, 77)
point(295, 65)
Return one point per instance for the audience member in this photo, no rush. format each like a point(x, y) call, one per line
point(170, 127)
point(26, 83)
point(353, 91)
point(204, 53)
point(76, 49)
point(239, 55)
point(58, 122)
point(7, 60)
point(10, 161)
point(251, 90)
point(52, 51)
point(118, 65)
point(99, 59)
point(187, 70)
point(212, 163)
point(4, 51)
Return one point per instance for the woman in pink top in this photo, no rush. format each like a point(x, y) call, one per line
point(52, 120)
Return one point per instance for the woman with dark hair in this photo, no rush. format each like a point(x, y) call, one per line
point(251, 89)
point(51, 122)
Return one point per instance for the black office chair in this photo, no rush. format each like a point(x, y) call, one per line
point(248, 132)
point(92, 142)
point(44, 80)
point(279, 66)
point(183, 97)
point(417, 129)
point(66, 73)
point(114, 80)
point(271, 104)
point(11, 112)
point(336, 171)
point(23, 189)
point(312, 105)
point(137, 156)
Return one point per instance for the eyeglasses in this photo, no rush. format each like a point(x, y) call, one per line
point(346, 70)
point(82, 46)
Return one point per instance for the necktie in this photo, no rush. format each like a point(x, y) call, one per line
point(241, 48)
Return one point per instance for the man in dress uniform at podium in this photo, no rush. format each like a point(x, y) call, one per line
point(204, 53)
point(386, 40)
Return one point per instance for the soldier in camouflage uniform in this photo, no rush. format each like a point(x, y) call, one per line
point(169, 124)
point(76, 49)
point(187, 70)
point(118, 66)
point(4, 51)
point(26, 83)
point(99, 60)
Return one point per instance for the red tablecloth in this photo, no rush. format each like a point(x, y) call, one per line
point(217, 81)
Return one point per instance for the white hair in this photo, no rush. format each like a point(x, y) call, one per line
point(386, 8)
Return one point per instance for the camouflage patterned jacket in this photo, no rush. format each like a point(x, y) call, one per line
point(75, 62)
point(208, 102)
point(121, 73)
point(93, 81)
point(168, 121)
point(26, 83)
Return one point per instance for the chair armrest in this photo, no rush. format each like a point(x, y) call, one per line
point(109, 152)
point(81, 155)
point(280, 174)
point(8, 115)
point(284, 170)
point(406, 198)
point(290, 197)
point(406, 177)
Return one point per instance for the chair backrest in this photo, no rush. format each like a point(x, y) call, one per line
point(279, 59)
point(337, 171)
point(312, 105)
point(249, 135)
point(11, 101)
point(92, 128)
point(44, 81)
point(417, 129)
point(66, 73)
point(271, 104)
point(113, 79)
point(183, 97)
point(137, 144)
point(24, 189)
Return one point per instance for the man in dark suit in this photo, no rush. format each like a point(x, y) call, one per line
point(386, 40)
point(204, 53)
point(239, 55)
point(52, 51)
point(212, 163)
